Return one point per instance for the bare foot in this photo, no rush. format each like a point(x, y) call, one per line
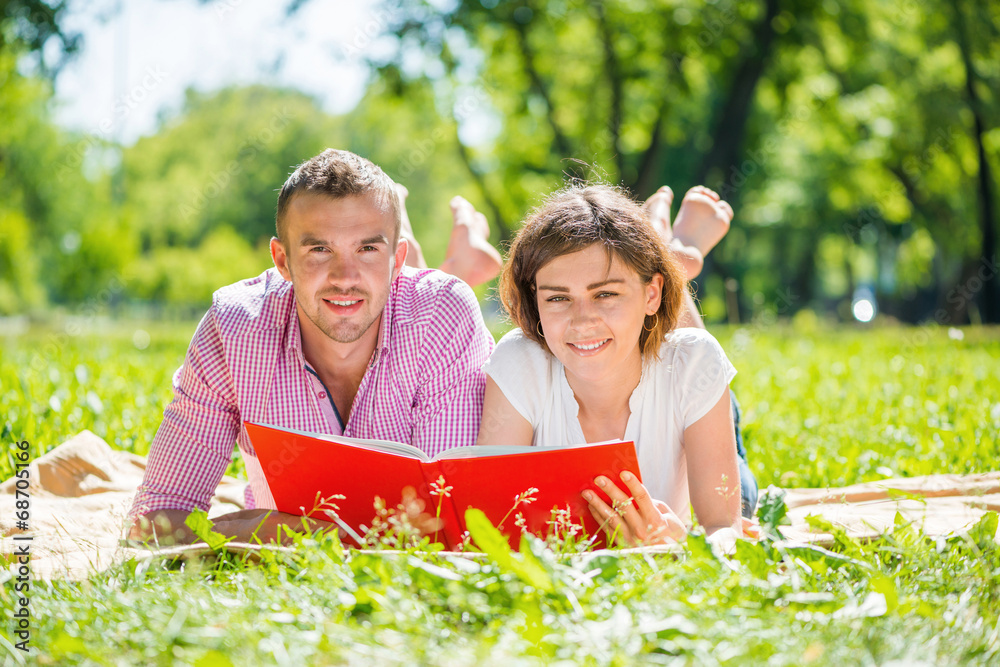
point(414, 253)
point(658, 209)
point(470, 255)
point(703, 219)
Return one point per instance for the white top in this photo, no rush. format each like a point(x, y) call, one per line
point(673, 393)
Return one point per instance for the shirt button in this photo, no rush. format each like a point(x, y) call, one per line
point(322, 394)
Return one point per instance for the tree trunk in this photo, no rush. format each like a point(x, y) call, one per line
point(730, 127)
point(986, 271)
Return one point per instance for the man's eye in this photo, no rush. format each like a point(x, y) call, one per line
point(607, 294)
point(553, 299)
point(317, 248)
point(369, 248)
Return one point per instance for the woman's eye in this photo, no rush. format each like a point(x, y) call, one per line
point(553, 299)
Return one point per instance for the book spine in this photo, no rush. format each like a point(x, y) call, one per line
point(439, 489)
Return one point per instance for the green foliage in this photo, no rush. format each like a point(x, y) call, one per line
point(890, 402)
point(191, 208)
point(901, 598)
point(771, 510)
point(820, 122)
point(493, 543)
point(220, 162)
point(417, 145)
point(201, 525)
point(832, 407)
point(904, 598)
point(855, 141)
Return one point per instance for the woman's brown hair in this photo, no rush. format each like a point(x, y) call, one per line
point(575, 218)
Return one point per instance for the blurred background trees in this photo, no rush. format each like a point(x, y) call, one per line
point(858, 143)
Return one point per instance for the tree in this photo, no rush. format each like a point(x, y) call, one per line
point(59, 238)
point(32, 25)
point(818, 121)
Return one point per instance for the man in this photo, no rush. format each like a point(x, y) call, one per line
point(340, 337)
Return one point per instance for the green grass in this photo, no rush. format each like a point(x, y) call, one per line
point(821, 408)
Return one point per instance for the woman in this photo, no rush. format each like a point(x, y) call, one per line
point(597, 297)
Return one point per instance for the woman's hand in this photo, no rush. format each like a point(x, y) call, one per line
point(646, 521)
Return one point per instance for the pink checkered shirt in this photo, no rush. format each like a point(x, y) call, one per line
point(424, 384)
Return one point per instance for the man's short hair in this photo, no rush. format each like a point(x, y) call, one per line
point(338, 174)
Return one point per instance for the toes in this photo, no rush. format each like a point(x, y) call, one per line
point(462, 211)
point(702, 190)
point(663, 196)
point(658, 208)
point(726, 209)
point(483, 223)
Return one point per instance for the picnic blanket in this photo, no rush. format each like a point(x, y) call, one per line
point(81, 492)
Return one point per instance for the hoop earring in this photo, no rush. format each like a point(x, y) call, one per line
point(538, 329)
point(656, 320)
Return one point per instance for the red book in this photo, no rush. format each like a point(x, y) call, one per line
point(303, 468)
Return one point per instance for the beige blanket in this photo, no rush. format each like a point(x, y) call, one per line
point(80, 494)
point(82, 490)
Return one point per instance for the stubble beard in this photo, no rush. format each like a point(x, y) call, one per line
point(341, 332)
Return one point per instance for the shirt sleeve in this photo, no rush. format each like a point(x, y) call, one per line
point(448, 404)
point(703, 371)
point(520, 368)
point(194, 444)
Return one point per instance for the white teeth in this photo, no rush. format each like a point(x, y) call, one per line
point(343, 303)
point(590, 347)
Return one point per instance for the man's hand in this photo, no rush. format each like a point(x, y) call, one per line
point(423, 522)
point(263, 526)
point(647, 521)
point(162, 527)
point(167, 528)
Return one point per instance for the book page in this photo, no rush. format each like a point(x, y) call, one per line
point(398, 448)
point(506, 450)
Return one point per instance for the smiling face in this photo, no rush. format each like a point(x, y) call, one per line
point(342, 256)
point(592, 313)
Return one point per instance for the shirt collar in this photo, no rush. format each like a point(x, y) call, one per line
point(384, 327)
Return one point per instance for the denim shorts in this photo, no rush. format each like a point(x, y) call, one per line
point(748, 483)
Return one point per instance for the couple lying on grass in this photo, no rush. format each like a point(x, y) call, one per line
point(350, 334)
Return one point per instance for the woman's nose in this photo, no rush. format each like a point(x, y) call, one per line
point(583, 311)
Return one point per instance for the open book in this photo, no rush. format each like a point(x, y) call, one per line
point(302, 469)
